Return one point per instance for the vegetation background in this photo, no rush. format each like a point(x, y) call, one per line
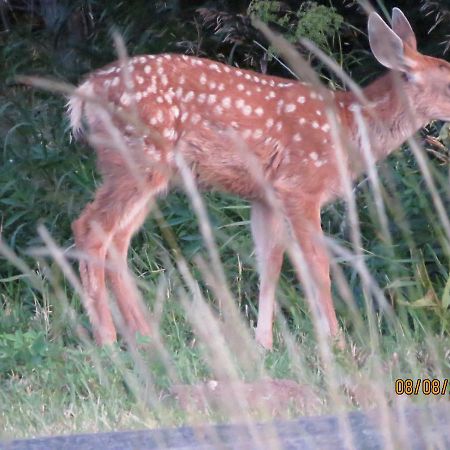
point(52, 380)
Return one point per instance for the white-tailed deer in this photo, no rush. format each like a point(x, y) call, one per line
point(197, 107)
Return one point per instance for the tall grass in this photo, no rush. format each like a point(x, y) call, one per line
point(195, 268)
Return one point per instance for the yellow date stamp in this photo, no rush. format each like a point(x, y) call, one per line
point(425, 386)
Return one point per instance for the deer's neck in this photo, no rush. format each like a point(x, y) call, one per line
point(390, 116)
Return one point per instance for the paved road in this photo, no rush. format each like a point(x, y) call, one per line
point(415, 429)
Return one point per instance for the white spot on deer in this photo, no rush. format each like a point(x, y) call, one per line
point(125, 99)
point(147, 69)
point(320, 162)
point(319, 112)
point(195, 118)
point(325, 128)
point(234, 124)
point(290, 107)
point(159, 99)
point(226, 102)
point(314, 156)
point(153, 121)
point(215, 67)
point(175, 111)
point(203, 79)
point(179, 92)
point(227, 69)
point(189, 96)
point(278, 126)
point(170, 134)
point(247, 76)
point(168, 57)
point(257, 133)
point(301, 99)
point(247, 110)
point(115, 81)
point(255, 79)
point(269, 123)
point(218, 109)
point(164, 80)
point(160, 70)
point(271, 83)
point(212, 85)
point(280, 105)
point(138, 96)
point(139, 79)
point(201, 98)
point(212, 99)
point(160, 116)
point(239, 103)
point(315, 124)
point(248, 93)
point(313, 94)
point(246, 134)
point(238, 73)
point(297, 137)
point(184, 116)
point(221, 87)
point(272, 94)
point(263, 81)
point(240, 87)
point(182, 79)
point(106, 84)
point(259, 111)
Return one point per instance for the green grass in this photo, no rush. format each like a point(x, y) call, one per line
point(53, 380)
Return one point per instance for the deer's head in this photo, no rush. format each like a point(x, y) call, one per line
point(427, 79)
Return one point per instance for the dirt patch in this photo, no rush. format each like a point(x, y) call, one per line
point(267, 396)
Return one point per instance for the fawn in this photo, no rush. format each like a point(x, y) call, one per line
point(196, 107)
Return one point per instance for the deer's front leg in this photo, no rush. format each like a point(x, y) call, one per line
point(306, 227)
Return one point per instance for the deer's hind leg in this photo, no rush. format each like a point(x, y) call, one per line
point(121, 280)
point(93, 232)
point(102, 234)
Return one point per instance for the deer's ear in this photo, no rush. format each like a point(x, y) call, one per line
point(402, 28)
point(386, 46)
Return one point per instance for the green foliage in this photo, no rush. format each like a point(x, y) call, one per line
point(318, 23)
point(22, 351)
point(269, 11)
